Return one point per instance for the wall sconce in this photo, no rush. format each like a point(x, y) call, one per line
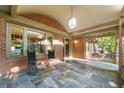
point(75, 41)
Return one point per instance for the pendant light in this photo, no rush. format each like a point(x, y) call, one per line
point(72, 20)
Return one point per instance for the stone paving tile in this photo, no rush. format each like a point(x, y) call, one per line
point(12, 84)
point(69, 75)
point(24, 82)
point(49, 83)
point(99, 78)
point(26, 85)
point(71, 83)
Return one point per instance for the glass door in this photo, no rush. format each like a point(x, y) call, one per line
point(66, 47)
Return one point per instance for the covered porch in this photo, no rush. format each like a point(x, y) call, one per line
point(62, 48)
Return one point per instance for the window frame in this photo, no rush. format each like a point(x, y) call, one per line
point(33, 30)
point(24, 34)
point(8, 39)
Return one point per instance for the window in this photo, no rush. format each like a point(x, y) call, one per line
point(36, 39)
point(16, 41)
point(19, 39)
point(48, 42)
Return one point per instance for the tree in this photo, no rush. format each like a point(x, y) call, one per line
point(108, 43)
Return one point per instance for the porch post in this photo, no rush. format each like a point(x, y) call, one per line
point(94, 47)
point(120, 48)
point(120, 43)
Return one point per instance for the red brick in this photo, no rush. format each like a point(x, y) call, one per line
point(45, 20)
point(7, 63)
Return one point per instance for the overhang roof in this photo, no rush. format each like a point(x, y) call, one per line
point(86, 15)
point(90, 18)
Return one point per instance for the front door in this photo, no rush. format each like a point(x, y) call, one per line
point(66, 47)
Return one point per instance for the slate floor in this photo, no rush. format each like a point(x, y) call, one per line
point(72, 74)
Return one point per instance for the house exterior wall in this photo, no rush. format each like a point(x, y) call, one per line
point(79, 47)
point(7, 63)
point(59, 48)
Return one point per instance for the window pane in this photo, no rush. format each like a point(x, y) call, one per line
point(16, 42)
point(35, 39)
point(49, 45)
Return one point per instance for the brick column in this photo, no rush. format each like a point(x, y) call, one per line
point(58, 47)
point(79, 47)
point(2, 39)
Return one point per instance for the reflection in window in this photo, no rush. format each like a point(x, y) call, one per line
point(49, 45)
point(20, 38)
point(16, 42)
point(35, 40)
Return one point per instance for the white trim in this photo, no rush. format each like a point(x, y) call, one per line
point(25, 42)
point(101, 28)
point(27, 28)
point(8, 38)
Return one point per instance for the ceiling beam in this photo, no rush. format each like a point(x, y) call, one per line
point(100, 32)
point(102, 35)
point(96, 28)
point(13, 10)
point(108, 30)
point(122, 11)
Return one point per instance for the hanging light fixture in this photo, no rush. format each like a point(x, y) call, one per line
point(72, 21)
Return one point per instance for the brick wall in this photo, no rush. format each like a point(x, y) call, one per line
point(7, 63)
point(59, 48)
point(79, 47)
point(2, 38)
point(45, 20)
